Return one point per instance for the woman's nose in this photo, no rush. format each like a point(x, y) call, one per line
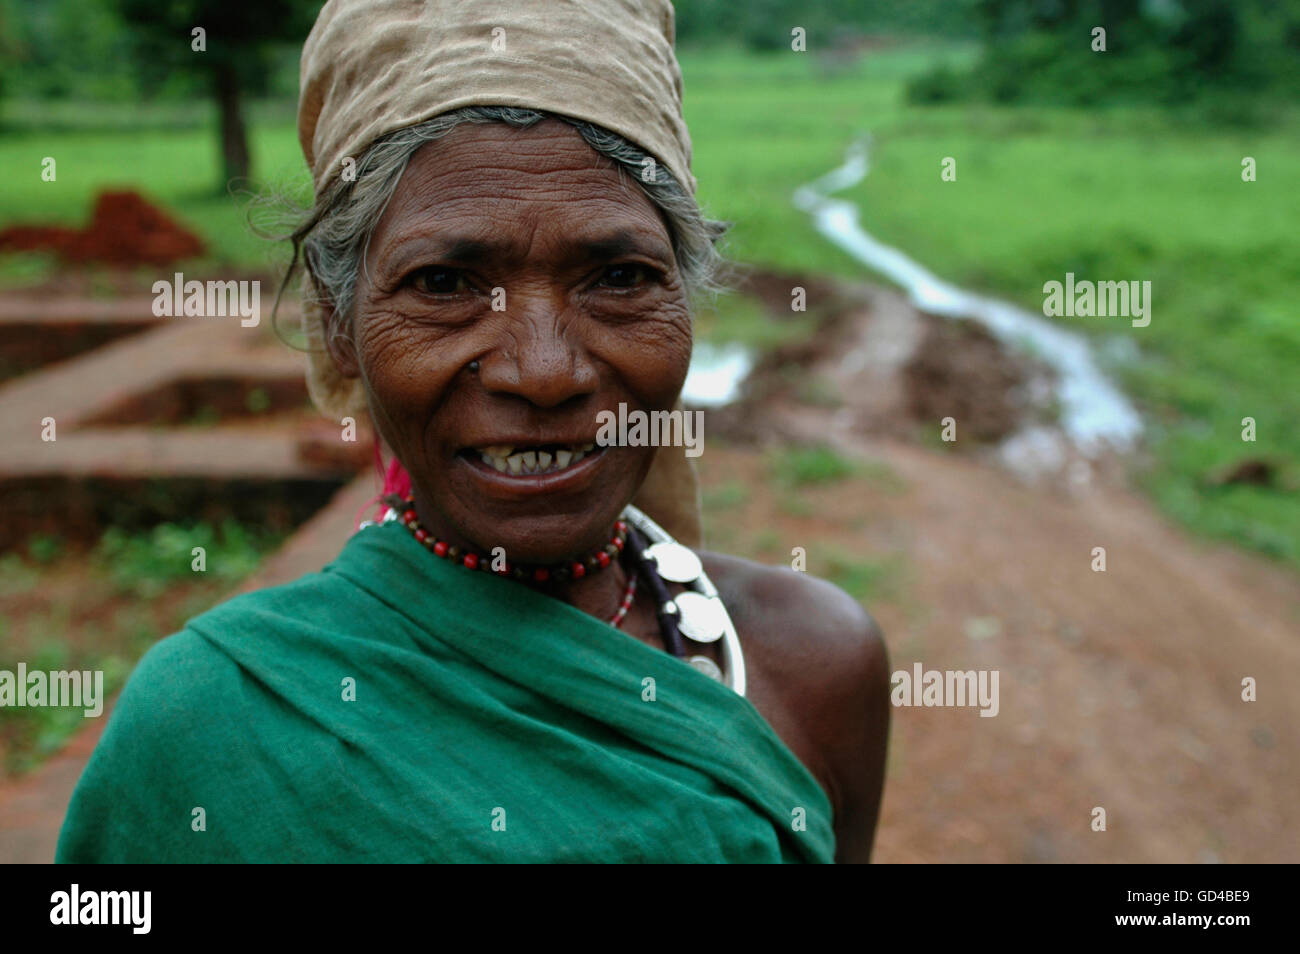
point(540, 360)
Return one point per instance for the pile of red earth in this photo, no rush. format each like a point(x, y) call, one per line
point(125, 230)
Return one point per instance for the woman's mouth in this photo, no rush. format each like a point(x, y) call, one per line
point(533, 460)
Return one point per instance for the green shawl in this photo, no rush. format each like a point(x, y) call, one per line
point(398, 708)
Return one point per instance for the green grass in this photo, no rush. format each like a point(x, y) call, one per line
point(1117, 194)
point(144, 564)
point(726, 496)
point(174, 162)
point(732, 317)
point(863, 579)
point(132, 589)
point(1126, 193)
point(806, 466)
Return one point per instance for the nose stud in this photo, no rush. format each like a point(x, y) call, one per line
point(473, 366)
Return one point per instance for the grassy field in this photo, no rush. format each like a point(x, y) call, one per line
point(1125, 194)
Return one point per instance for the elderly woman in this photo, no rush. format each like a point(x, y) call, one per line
point(517, 664)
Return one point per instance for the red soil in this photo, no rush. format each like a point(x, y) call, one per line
point(125, 230)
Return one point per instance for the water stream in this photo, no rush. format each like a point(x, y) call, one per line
point(1094, 413)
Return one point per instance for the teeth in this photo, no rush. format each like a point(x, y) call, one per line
point(502, 458)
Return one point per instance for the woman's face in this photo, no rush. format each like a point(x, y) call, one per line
point(526, 251)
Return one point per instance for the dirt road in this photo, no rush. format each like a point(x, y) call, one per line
point(1119, 689)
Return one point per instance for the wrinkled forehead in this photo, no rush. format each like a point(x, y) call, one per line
point(483, 186)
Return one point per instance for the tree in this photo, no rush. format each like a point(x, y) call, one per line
point(232, 55)
point(1221, 54)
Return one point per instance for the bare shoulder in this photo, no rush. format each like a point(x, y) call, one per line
point(819, 673)
point(814, 629)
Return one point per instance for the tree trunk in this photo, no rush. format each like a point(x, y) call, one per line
point(234, 137)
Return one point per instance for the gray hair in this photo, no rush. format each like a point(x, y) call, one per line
point(333, 238)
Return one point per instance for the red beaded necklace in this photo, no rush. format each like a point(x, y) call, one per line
point(575, 569)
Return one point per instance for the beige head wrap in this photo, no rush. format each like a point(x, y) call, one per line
point(370, 67)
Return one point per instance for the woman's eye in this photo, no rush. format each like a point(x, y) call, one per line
point(439, 281)
point(624, 276)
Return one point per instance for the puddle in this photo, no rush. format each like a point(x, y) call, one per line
point(716, 374)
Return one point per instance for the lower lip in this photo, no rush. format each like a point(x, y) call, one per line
point(527, 485)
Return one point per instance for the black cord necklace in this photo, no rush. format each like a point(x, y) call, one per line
point(665, 608)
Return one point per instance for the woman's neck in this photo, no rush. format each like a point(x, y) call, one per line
point(599, 592)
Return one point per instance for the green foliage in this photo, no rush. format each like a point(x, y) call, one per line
point(56, 48)
point(258, 401)
point(862, 579)
point(46, 547)
point(30, 734)
point(242, 35)
point(171, 163)
point(152, 590)
point(765, 25)
point(742, 319)
point(145, 564)
point(1229, 53)
point(1133, 191)
point(939, 85)
point(768, 542)
point(726, 496)
point(17, 575)
point(802, 466)
point(793, 505)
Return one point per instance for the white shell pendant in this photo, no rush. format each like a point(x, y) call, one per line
point(702, 618)
point(707, 666)
point(675, 562)
point(701, 615)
